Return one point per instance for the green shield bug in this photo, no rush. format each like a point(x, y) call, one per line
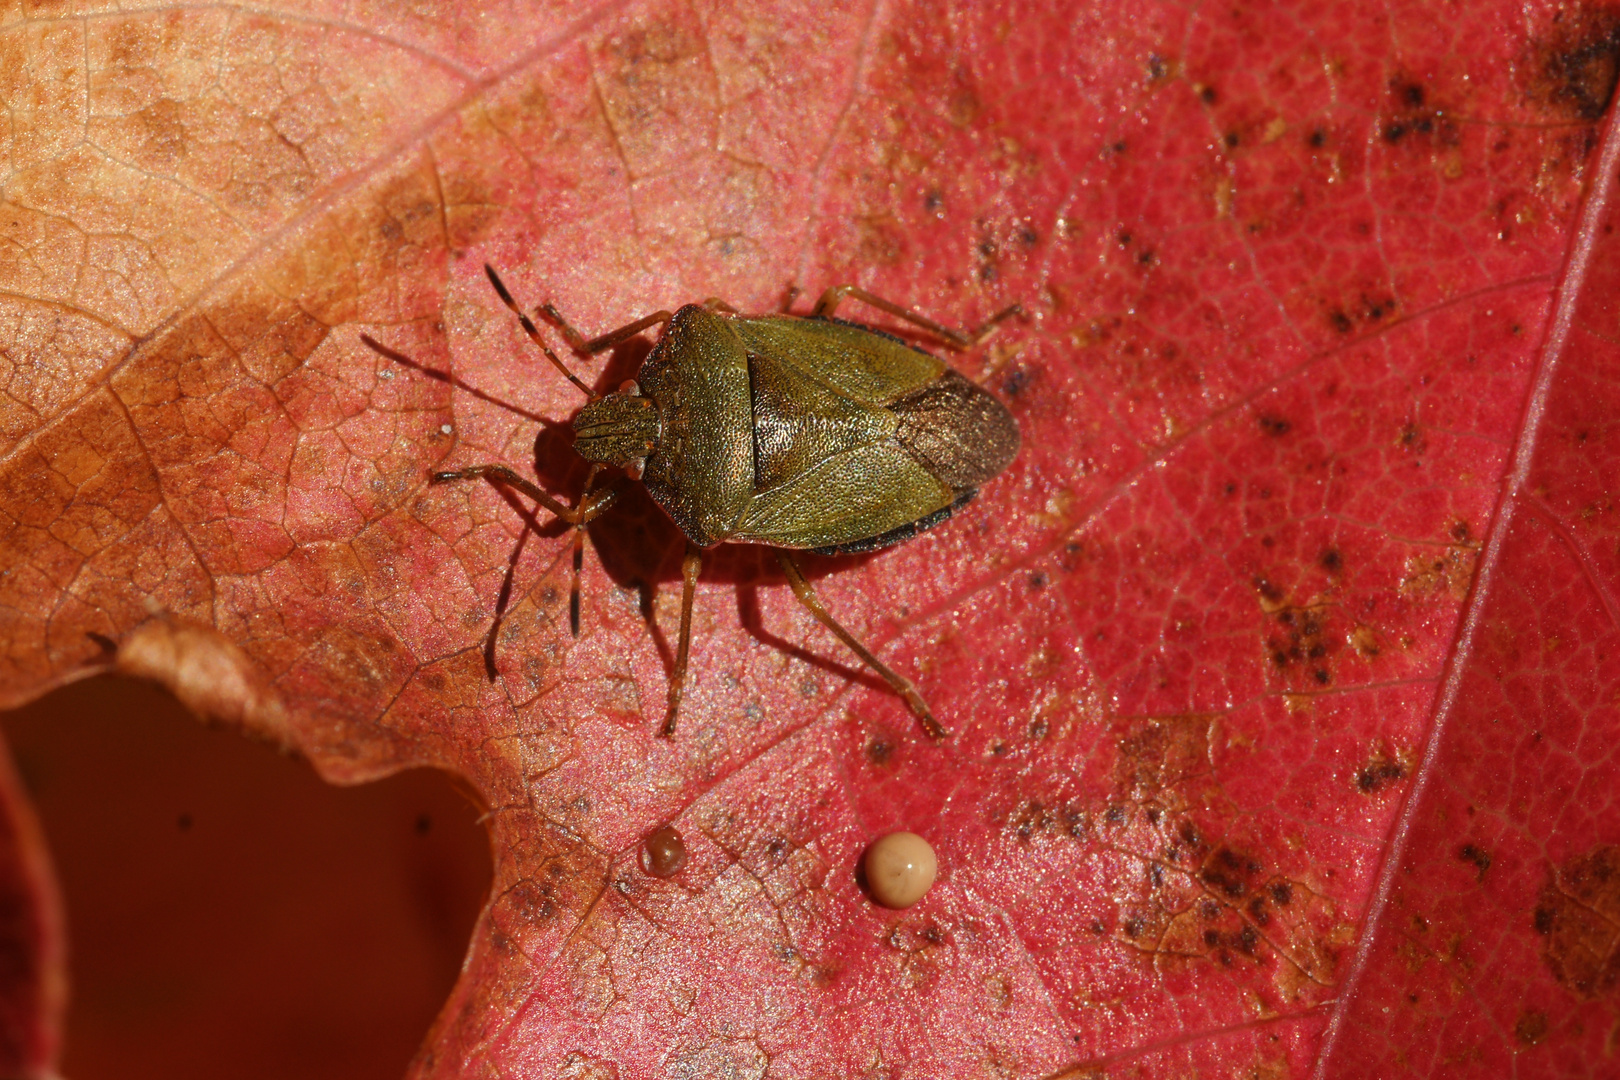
point(804, 433)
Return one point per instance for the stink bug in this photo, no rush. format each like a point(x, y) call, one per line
point(800, 433)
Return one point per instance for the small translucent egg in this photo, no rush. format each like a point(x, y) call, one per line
point(663, 853)
point(900, 869)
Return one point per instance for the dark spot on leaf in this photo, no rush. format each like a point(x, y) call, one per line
point(1282, 893)
point(1478, 856)
point(1030, 819)
point(1317, 138)
point(933, 200)
point(1459, 532)
point(1226, 872)
point(1378, 774)
point(1231, 139)
point(1258, 912)
point(1208, 95)
point(424, 824)
point(1331, 561)
point(1156, 67)
point(1340, 321)
point(1037, 580)
point(1016, 381)
point(878, 751)
point(1531, 1027)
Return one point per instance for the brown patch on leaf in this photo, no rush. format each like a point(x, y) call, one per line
point(1476, 857)
point(1450, 571)
point(1380, 771)
point(1160, 753)
point(1531, 1027)
point(1300, 644)
point(1577, 912)
point(1573, 64)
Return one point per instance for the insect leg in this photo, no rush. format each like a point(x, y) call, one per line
point(502, 475)
point(690, 568)
point(605, 341)
point(901, 685)
point(534, 335)
point(956, 339)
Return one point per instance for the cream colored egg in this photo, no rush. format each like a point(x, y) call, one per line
point(900, 869)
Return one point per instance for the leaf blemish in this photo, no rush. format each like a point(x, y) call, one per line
point(1575, 65)
point(1378, 774)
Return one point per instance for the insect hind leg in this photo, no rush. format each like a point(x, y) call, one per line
point(956, 339)
point(691, 566)
point(899, 683)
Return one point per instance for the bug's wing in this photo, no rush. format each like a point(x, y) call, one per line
point(963, 435)
point(828, 467)
point(844, 497)
point(960, 433)
point(857, 435)
point(859, 364)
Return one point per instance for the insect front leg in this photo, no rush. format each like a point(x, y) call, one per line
point(901, 685)
point(606, 341)
point(691, 566)
point(956, 339)
point(503, 475)
point(591, 506)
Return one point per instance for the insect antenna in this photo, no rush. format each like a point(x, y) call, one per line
point(534, 334)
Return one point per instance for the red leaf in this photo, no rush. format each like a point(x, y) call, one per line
point(1276, 664)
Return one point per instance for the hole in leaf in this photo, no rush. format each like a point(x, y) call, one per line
point(228, 912)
